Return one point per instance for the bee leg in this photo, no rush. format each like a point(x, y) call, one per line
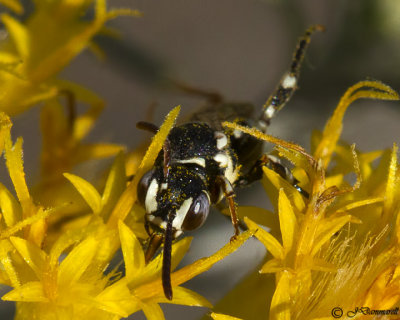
point(288, 84)
point(274, 164)
point(229, 194)
point(221, 207)
point(156, 239)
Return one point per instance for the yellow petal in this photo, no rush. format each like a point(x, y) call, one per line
point(68, 239)
point(357, 204)
point(266, 137)
point(280, 304)
point(185, 297)
point(272, 245)
point(151, 289)
point(7, 263)
point(132, 251)
point(220, 316)
point(5, 128)
point(96, 151)
point(76, 262)
point(158, 141)
point(326, 229)
point(334, 180)
point(18, 33)
point(14, 5)
point(287, 220)
point(153, 269)
point(322, 265)
point(4, 278)
point(57, 58)
point(28, 292)
point(135, 222)
point(333, 128)
point(38, 229)
point(272, 266)
point(10, 208)
point(115, 186)
point(152, 311)
point(392, 189)
point(32, 255)
point(40, 215)
point(28, 96)
point(376, 183)
point(87, 191)
point(278, 182)
point(100, 9)
point(112, 14)
point(117, 299)
point(127, 199)
point(365, 162)
point(16, 170)
point(299, 159)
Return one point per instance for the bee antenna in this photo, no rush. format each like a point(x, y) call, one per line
point(166, 267)
point(147, 126)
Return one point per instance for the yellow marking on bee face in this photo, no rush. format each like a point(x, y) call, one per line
point(199, 161)
point(222, 140)
point(151, 196)
point(181, 213)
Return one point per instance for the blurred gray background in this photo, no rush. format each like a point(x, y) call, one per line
point(239, 48)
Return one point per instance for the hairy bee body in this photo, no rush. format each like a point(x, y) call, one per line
point(201, 163)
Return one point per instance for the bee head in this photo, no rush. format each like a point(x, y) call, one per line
point(182, 192)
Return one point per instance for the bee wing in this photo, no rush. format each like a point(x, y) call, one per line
point(215, 114)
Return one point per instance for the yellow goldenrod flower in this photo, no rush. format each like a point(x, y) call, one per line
point(318, 265)
point(30, 59)
point(23, 213)
point(66, 278)
point(38, 49)
point(337, 250)
point(63, 146)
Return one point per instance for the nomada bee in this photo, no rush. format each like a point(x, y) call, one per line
point(201, 163)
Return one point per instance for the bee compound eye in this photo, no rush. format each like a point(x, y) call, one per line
point(143, 186)
point(197, 213)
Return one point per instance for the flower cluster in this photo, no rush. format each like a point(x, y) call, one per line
point(58, 239)
point(340, 247)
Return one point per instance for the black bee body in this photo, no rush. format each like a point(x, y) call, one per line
point(198, 155)
point(201, 163)
point(203, 160)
